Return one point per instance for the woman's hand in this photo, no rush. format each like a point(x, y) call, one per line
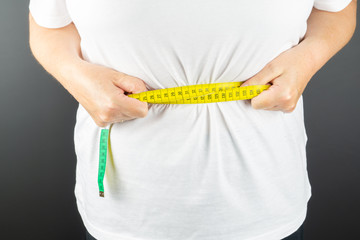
point(101, 91)
point(288, 74)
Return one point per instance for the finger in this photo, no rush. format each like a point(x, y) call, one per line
point(111, 115)
point(266, 99)
point(133, 108)
point(266, 75)
point(129, 83)
point(119, 107)
point(281, 97)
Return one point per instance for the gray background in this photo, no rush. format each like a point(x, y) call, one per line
point(38, 159)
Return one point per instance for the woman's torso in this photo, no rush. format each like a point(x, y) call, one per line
point(219, 170)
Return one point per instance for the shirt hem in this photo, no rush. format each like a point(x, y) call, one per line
point(49, 21)
point(332, 6)
point(277, 234)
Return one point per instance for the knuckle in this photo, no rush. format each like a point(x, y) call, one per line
point(286, 97)
point(120, 77)
point(141, 87)
point(98, 122)
point(109, 104)
point(125, 81)
point(138, 85)
point(111, 107)
point(273, 68)
point(106, 115)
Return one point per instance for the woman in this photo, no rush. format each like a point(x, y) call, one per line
point(227, 170)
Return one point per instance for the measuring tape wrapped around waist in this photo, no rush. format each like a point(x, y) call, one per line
point(193, 94)
point(201, 93)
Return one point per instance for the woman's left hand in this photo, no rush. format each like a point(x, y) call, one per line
point(288, 74)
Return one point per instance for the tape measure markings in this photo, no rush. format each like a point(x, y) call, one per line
point(202, 93)
point(193, 94)
point(102, 159)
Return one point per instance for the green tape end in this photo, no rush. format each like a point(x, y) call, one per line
point(101, 194)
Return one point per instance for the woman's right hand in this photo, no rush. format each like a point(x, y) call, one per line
point(101, 91)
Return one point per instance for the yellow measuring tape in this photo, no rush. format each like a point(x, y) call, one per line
point(193, 94)
point(201, 93)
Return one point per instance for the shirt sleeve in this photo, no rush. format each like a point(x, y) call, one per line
point(331, 5)
point(50, 13)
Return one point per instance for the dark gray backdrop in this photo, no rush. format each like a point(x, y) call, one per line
point(38, 160)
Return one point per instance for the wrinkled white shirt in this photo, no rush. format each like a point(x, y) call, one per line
point(216, 171)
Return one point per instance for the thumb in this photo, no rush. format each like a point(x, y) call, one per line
point(266, 75)
point(129, 83)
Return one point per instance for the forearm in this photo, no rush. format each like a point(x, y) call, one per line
point(99, 89)
point(290, 72)
point(326, 34)
point(57, 50)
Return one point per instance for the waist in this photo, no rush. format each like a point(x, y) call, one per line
point(201, 93)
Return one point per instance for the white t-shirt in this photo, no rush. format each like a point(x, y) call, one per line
point(217, 171)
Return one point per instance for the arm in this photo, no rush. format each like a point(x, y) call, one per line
point(100, 90)
point(291, 71)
